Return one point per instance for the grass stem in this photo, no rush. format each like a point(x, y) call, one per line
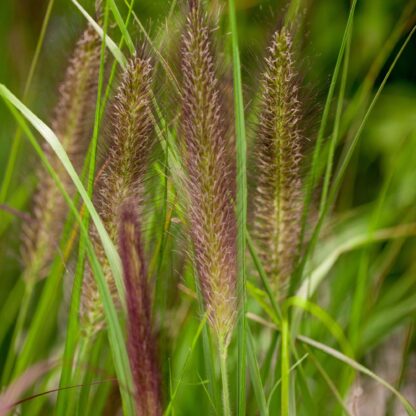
point(223, 352)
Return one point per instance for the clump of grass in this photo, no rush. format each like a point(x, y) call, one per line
point(278, 193)
point(123, 173)
point(209, 176)
point(213, 180)
point(141, 340)
point(72, 123)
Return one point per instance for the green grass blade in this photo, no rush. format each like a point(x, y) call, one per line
point(323, 316)
point(292, 12)
point(114, 49)
point(174, 390)
point(241, 149)
point(56, 146)
point(357, 366)
point(285, 368)
point(363, 93)
point(335, 132)
point(278, 382)
point(312, 281)
point(122, 26)
point(263, 276)
point(10, 308)
point(11, 162)
point(329, 382)
point(255, 375)
point(116, 337)
point(310, 185)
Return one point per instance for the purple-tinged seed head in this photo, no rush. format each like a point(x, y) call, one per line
point(123, 174)
point(141, 339)
point(209, 176)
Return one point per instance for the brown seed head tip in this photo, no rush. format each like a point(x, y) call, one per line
point(278, 196)
point(193, 4)
point(141, 339)
point(209, 176)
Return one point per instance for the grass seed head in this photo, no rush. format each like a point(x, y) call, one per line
point(72, 123)
point(209, 175)
point(124, 172)
point(141, 339)
point(278, 196)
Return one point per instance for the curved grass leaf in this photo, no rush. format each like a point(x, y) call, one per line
point(114, 49)
point(116, 337)
point(316, 277)
point(241, 149)
point(357, 366)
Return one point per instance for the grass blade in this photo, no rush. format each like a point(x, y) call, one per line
point(357, 366)
point(116, 337)
point(311, 282)
point(114, 49)
point(121, 25)
point(241, 149)
point(72, 327)
point(16, 139)
point(56, 146)
point(255, 375)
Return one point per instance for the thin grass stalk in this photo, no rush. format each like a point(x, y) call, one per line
point(11, 161)
point(241, 204)
point(224, 380)
point(312, 177)
point(285, 367)
point(337, 123)
point(278, 194)
point(122, 175)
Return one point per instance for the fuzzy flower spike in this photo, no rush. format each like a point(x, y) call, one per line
point(209, 176)
point(123, 174)
point(72, 123)
point(278, 197)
